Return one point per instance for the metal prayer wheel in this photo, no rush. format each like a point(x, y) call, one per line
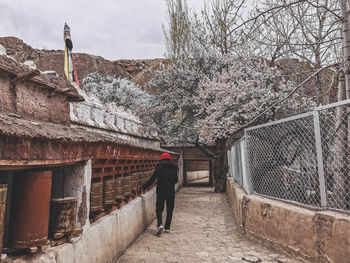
point(134, 182)
point(127, 185)
point(143, 178)
point(149, 174)
point(63, 212)
point(119, 188)
point(30, 209)
point(146, 176)
point(140, 181)
point(3, 195)
point(96, 196)
point(108, 192)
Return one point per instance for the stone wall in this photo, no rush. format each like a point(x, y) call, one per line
point(317, 236)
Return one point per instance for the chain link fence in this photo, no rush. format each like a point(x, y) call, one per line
point(237, 164)
point(302, 159)
point(335, 134)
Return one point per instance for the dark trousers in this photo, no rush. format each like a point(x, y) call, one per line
point(170, 201)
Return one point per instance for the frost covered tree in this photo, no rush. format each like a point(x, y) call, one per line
point(211, 96)
point(173, 108)
point(121, 91)
point(243, 90)
point(243, 93)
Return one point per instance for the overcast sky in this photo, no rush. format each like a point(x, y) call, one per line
point(113, 29)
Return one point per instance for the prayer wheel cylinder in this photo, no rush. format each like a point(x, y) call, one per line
point(109, 192)
point(127, 185)
point(30, 209)
point(134, 182)
point(119, 188)
point(140, 181)
point(148, 174)
point(96, 196)
point(3, 195)
point(62, 215)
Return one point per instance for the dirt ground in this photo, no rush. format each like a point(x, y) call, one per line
point(203, 230)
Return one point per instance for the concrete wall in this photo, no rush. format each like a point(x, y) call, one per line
point(77, 183)
point(196, 175)
point(317, 236)
point(74, 181)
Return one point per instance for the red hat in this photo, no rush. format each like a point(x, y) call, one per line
point(165, 156)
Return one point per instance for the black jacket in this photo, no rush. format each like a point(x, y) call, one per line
point(166, 175)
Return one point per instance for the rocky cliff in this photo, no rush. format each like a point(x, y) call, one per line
point(139, 71)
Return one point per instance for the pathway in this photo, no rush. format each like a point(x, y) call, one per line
point(203, 230)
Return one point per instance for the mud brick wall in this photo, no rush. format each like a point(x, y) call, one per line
point(317, 236)
point(32, 101)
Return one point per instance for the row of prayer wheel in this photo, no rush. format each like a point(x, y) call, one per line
point(117, 189)
point(34, 216)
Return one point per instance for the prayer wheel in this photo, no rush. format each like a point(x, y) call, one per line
point(3, 195)
point(108, 192)
point(119, 188)
point(143, 178)
point(134, 182)
point(140, 181)
point(127, 185)
point(149, 174)
point(96, 196)
point(63, 212)
point(30, 209)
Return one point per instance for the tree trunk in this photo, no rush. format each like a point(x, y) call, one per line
point(340, 175)
point(319, 77)
point(219, 166)
point(346, 66)
point(346, 45)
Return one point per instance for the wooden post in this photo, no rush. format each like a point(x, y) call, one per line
point(184, 173)
point(211, 173)
point(8, 180)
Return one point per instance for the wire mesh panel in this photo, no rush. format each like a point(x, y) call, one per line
point(282, 160)
point(229, 162)
point(335, 134)
point(237, 163)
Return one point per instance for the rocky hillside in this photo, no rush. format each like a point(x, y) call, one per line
point(139, 71)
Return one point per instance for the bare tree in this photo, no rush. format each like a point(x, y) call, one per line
point(304, 36)
point(178, 31)
point(215, 26)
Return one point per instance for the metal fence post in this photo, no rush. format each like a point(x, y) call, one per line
point(246, 178)
point(319, 156)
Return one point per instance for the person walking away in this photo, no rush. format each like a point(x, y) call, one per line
point(166, 175)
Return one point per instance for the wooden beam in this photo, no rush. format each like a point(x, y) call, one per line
point(21, 77)
point(16, 165)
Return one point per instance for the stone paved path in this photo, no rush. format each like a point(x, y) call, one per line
point(203, 230)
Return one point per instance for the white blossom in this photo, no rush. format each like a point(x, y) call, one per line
point(123, 92)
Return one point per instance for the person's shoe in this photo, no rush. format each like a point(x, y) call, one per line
point(160, 229)
point(167, 230)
